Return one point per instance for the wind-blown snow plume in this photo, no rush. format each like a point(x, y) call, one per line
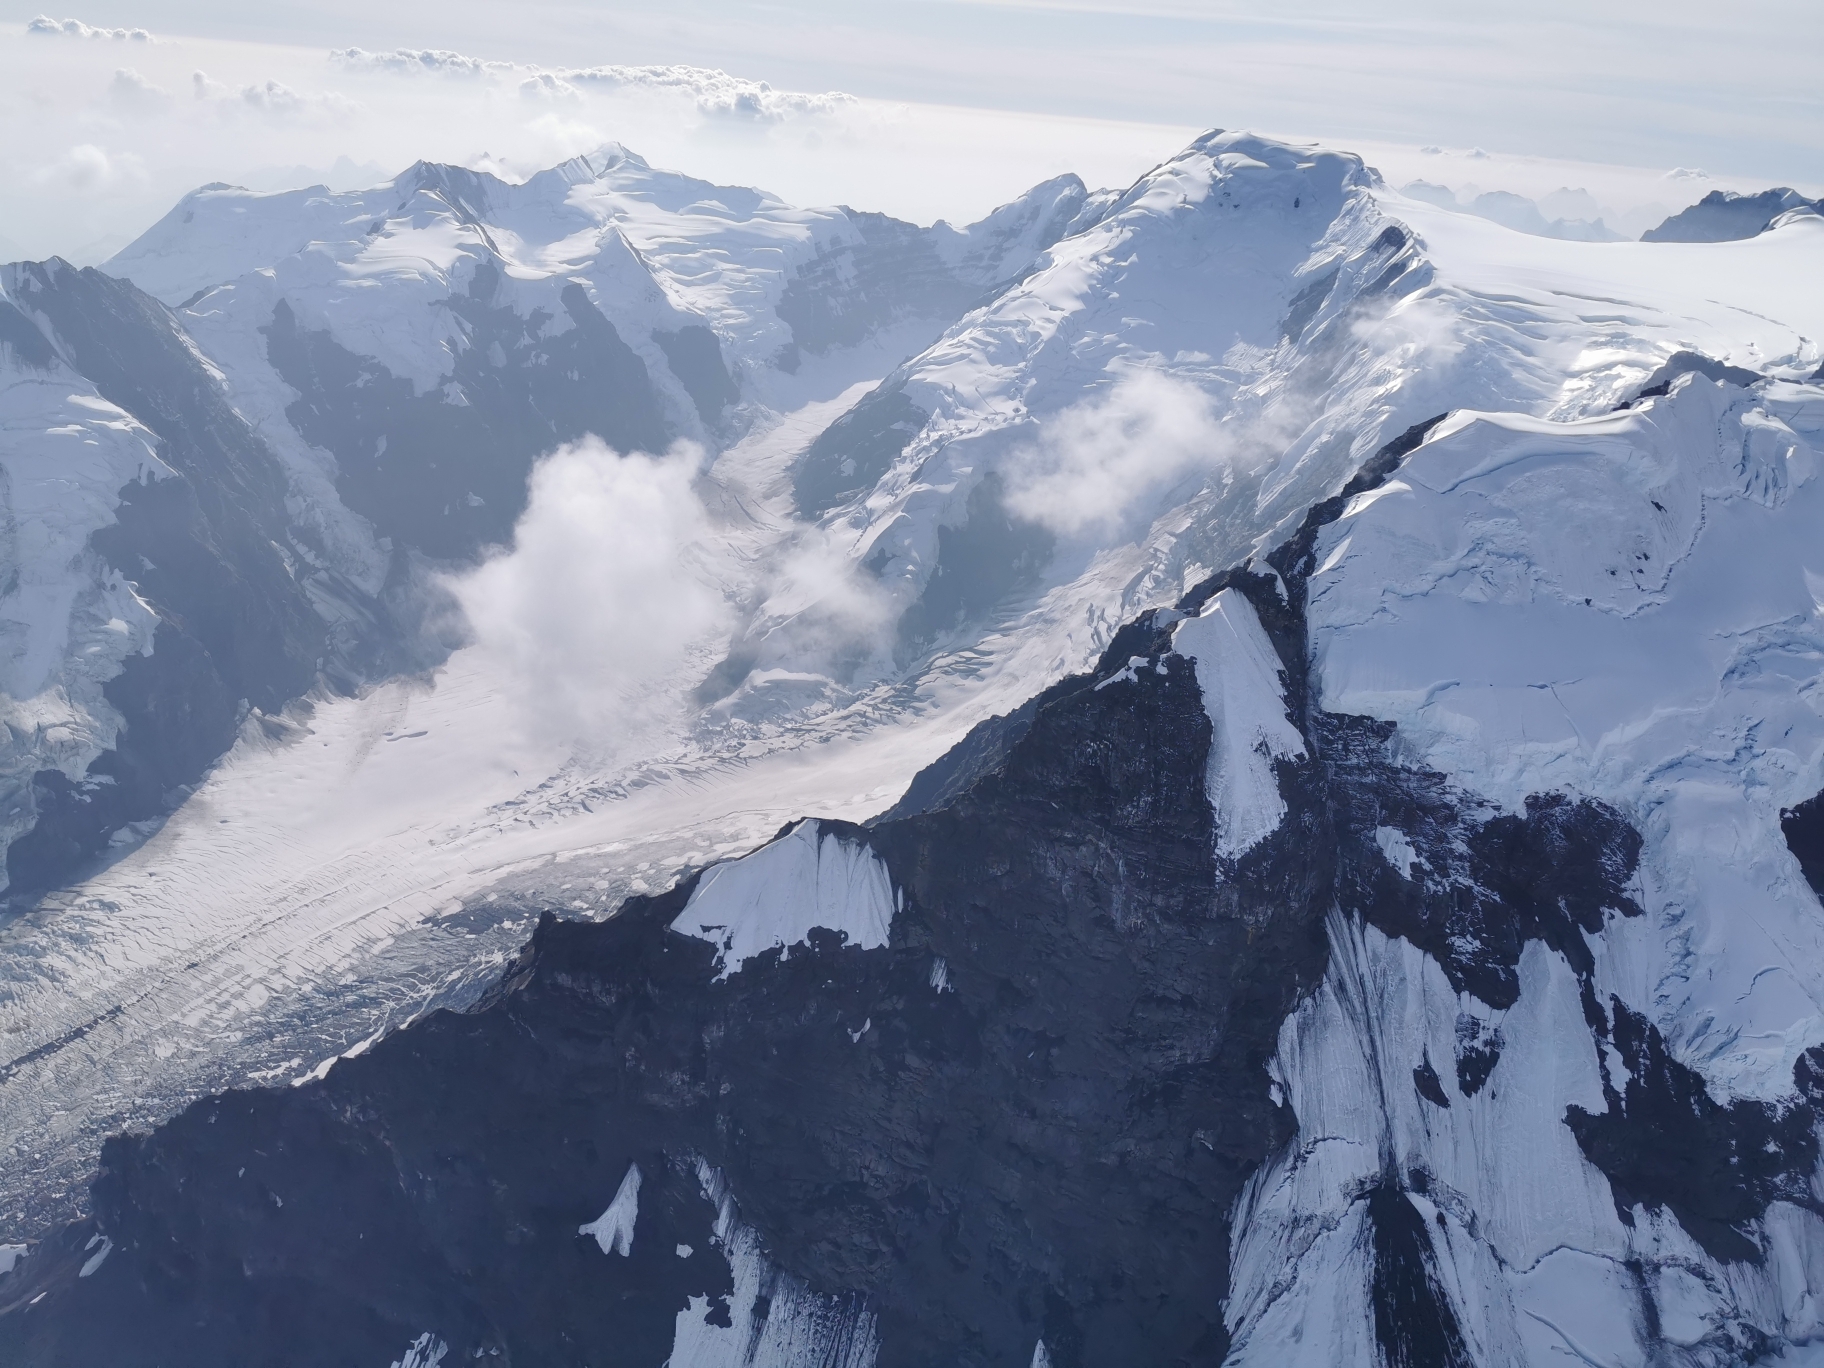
point(606, 590)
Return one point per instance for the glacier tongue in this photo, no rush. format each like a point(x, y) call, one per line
point(1379, 1074)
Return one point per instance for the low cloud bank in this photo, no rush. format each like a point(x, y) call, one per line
point(714, 93)
point(109, 130)
point(46, 27)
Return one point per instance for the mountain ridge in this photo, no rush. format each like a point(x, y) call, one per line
point(852, 1279)
point(1481, 786)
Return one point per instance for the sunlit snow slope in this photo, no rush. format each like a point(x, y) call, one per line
point(1612, 1141)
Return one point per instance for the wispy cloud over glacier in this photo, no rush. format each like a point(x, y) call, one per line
point(87, 169)
point(606, 590)
point(1101, 462)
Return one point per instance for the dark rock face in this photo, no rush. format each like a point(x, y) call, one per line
point(980, 563)
point(893, 275)
point(1047, 1146)
point(1431, 1088)
point(1688, 363)
point(1487, 888)
point(20, 336)
point(1478, 1051)
point(1725, 216)
point(976, 756)
point(387, 1226)
point(853, 291)
point(179, 716)
point(1305, 305)
point(695, 357)
point(204, 551)
point(896, 273)
point(852, 454)
point(1087, 876)
point(445, 471)
point(1803, 827)
point(1665, 1142)
point(1485, 884)
point(1413, 1320)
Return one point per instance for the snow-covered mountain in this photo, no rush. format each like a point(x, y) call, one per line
point(157, 585)
point(418, 345)
point(1294, 712)
point(369, 377)
point(1522, 214)
point(1725, 216)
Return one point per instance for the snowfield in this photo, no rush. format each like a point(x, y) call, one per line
point(1623, 607)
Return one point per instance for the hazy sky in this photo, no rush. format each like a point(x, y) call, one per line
point(102, 131)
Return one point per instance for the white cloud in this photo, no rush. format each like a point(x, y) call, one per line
point(132, 94)
point(715, 93)
point(266, 110)
point(1099, 463)
point(276, 100)
point(88, 169)
point(273, 99)
point(829, 607)
point(605, 598)
point(554, 138)
point(545, 86)
point(46, 27)
point(256, 114)
point(1423, 333)
point(418, 62)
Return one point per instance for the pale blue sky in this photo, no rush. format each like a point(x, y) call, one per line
point(1094, 86)
point(1669, 82)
